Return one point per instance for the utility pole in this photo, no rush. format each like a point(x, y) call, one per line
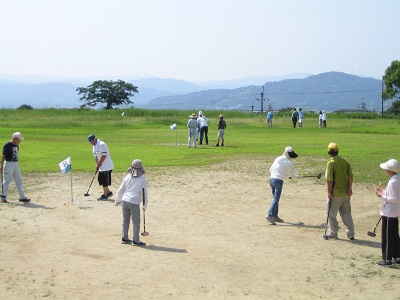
point(262, 101)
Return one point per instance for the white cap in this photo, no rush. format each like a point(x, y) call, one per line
point(17, 135)
point(289, 152)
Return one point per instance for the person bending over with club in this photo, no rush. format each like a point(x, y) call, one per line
point(281, 167)
point(10, 168)
point(390, 210)
point(131, 193)
point(339, 179)
point(104, 164)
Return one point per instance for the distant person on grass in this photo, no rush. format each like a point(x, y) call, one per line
point(295, 116)
point(104, 165)
point(270, 115)
point(320, 119)
point(281, 167)
point(339, 180)
point(132, 193)
point(323, 117)
point(10, 168)
point(390, 210)
point(203, 123)
point(192, 128)
point(221, 131)
point(301, 115)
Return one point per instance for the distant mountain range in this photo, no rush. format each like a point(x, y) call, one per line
point(329, 91)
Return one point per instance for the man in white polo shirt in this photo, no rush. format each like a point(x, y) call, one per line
point(104, 164)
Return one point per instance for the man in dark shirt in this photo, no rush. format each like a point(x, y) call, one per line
point(10, 168)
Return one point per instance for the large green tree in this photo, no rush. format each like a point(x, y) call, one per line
point(111, 93)
point(392, 81)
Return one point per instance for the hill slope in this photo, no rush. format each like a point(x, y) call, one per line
point(329, 91)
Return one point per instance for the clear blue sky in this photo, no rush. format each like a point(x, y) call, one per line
point(197, 40)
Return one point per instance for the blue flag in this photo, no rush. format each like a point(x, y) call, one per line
point(65, 165)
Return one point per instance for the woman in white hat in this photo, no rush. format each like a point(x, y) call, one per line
point(390, 210)
point(131, 193)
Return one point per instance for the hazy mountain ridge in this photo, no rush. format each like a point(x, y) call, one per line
point(329, 91)
point(326, 91)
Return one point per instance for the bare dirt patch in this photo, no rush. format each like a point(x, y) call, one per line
point(208, 239)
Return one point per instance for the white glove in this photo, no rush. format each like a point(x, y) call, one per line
point(116, 203)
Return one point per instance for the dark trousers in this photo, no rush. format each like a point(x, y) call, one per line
point(390, 238)
point(294, 120)
point(204, 131)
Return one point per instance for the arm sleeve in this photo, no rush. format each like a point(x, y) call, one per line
point(392, 193)
point(120, 192)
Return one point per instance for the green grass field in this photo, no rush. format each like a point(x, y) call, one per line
point(51, 135)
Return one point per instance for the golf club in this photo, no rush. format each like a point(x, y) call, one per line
point(311, 176)
point(327, 218)
point(373, 234)
point(144, 233)
point(87, 193)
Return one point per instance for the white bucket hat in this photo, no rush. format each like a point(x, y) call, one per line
point(391, 165)
point(136, 168)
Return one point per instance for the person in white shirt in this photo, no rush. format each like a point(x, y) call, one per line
point(323, 118)
point(281, 167)
point(192, 126)
point(104, 165)
point(132, 192)
point(203, 123)
point(390, 210)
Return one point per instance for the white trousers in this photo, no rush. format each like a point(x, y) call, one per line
point(12, 171)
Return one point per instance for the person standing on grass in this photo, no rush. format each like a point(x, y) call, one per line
point(203, 123)
point(323, 117)
point(301, 115)
point(10, 168)
point(295, 116)
point(390, 210)
point(281, 167)
point(192, 128)
point(270, 115)
point(339, 180)
point(104, 165)
point(132, 192)
point(221, 131)
point(320, 119)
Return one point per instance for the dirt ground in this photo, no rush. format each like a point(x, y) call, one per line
point(209, 239)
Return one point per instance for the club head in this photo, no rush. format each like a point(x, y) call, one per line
point(373, 234)
point(86, 194)
point(325, 237)
point(145, 233)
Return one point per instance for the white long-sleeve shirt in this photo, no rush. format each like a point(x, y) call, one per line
point(131, 190)
point(281, 167)
point(391, 198)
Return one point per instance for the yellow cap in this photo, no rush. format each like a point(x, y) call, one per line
point(333, 147)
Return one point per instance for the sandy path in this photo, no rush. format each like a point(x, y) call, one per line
point(208, 239)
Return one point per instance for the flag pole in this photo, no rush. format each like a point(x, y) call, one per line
point(72, 195)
